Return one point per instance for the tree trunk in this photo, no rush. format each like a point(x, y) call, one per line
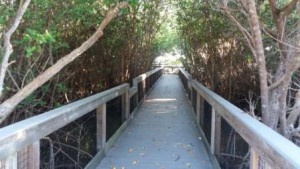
point(259, 52)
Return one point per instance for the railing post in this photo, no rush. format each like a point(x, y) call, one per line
point(213, 130)
point(198, 108)
point(125, 105)
point(215, 139)
point(136, 96)
point(254, 159)
point(34, 155)
point(218, 135)
point(144, 88)
point(189, 89)
point(101, 126)
point(12, 162)
point(201, 111)
point(192, 94)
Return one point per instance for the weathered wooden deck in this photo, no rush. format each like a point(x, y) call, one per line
point(162, 135)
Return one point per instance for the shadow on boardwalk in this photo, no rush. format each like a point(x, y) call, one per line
point(163, 135)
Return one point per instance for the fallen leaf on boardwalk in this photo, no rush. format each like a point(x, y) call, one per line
point(135, 162)
point(130, 150)
point(114, 167)
point(188, 165)
point(177, 157)
point(142, 154)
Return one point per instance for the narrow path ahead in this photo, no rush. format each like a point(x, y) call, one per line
point(163, 135)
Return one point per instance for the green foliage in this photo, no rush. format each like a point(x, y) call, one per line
point(62, 88)
point(34, 41)
point(133, 2)
point(166, 39)
point(214, 51)
point(6, 13)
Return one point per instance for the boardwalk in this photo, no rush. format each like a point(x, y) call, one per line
point(163, 134)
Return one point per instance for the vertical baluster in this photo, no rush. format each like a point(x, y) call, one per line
point(101, 126)
point(144, 88)
point(136, 96)
point(201, 111)
point(34, 155)
point(218, 124)
point(125, 105)
point(12, 162)
point(191, 96)
point(254, 159)
point(198, 108)
point(215, 141)
point(213, 130)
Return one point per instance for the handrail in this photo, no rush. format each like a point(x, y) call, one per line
point(185, 73)
point(19, 135)
point(26, 134)
point(145, 82)
point(142, 77)
point(262, 139)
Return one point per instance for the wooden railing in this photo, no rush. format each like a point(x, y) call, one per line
point(268, 149)
point(25, 135)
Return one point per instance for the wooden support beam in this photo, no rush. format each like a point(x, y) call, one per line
point(101, 126)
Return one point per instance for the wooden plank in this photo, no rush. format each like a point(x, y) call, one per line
point(102, 153)
point(258, 135)
point(166, 144)
point(96, 160)
point(19, 135)
point(101, 126)
point(132, 91)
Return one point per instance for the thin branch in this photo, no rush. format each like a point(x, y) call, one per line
point(277, 83)
point(13, 79)
point(75, 148)
point(68, 156)
point(241, 28)
point(269, 31)
point(9, 105)
point(7, 45)
point(30, 70)
point(274, 9)
point(280, 41)
point(289, 7)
